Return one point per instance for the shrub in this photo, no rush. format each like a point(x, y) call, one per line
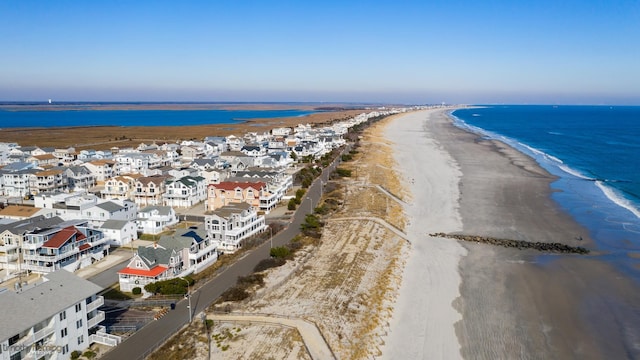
point(175, 286)
point(292, 204)
point(300, 193)
point(346, 157)
point(268, 264)
point(75, 354)
point(236, 293)
point(249, 280)
point(89, 354)
point(136, 291)
point(343, 172)
point(280, 252)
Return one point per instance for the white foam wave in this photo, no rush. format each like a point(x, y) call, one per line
point(617, 199)
point(573, 172)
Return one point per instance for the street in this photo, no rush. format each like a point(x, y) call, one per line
point(150, 337)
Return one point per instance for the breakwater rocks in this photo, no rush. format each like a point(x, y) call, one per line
point(518, 244)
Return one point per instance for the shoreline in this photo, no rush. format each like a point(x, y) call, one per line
point(508, 303)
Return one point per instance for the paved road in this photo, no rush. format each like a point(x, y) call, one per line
point(147, 339)
point(109, 276)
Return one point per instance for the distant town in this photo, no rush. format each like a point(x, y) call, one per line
point(64, 212)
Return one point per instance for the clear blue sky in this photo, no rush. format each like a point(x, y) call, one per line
point(488, 51)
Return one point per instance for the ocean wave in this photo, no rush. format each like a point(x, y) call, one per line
point(554, 133)
point(619, 200)
point(574, 172)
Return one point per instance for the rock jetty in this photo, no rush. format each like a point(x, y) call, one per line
point(518, 244)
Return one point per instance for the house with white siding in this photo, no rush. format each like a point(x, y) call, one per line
point(231, 224)
point(185, 192)
point(51, 318)
point(155, 219)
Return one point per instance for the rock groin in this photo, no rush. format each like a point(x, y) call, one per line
point(518, 244)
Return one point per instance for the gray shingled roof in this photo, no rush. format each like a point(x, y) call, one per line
point(114, 224)
point(30, 224)
point(23, 310)
point(110, 206)
point(162, 210)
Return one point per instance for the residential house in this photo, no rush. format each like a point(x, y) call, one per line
point(16, 183)
point(230, 225)
point(234, 143)
point(80, 177)
point(253, 150)
point(70, 248)
point(101, 169)
point(21, 212)
point(227, 192)
point(185, 192)
point(120, 187)
point(119, 232)
point(148, 190)
point(155, 219)
point(12, 237)
point(159, 261)
point(284, 131)
point(48, 180)
point(44, 160)
point(51, 318)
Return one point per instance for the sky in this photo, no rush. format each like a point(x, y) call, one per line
point(410, 52)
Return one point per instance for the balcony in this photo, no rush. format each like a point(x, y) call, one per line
point(51, 258)
point(99, 301)
point(32, 246)
point(7, 258)
point(7, 247)
point(94, 321)
point(42, 333)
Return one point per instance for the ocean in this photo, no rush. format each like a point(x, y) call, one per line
point(595, 153)
point(65, 118)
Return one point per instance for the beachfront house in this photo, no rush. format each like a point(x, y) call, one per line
point(227, 192)
point(230, 225)
point(178, 255)
point(51, 318)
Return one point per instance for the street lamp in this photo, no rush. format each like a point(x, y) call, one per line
point(271, 237)
point(188, 297)
point(310, 205)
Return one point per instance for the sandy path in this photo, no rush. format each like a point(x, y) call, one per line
point(423, 322)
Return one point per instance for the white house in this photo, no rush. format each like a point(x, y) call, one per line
point(119, 232)
point(155, 219)
point(185, 192)
point(51, 318)
point(231, 224)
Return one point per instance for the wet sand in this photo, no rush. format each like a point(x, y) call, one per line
point(509, 304)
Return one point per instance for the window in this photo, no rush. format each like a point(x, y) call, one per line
point(78, 307)
point(80, 339)
point(79, 324)
point(63, 315)
point(65, 349)
point(63, 332)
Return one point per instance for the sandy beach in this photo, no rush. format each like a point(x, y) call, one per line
point(476, 301)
